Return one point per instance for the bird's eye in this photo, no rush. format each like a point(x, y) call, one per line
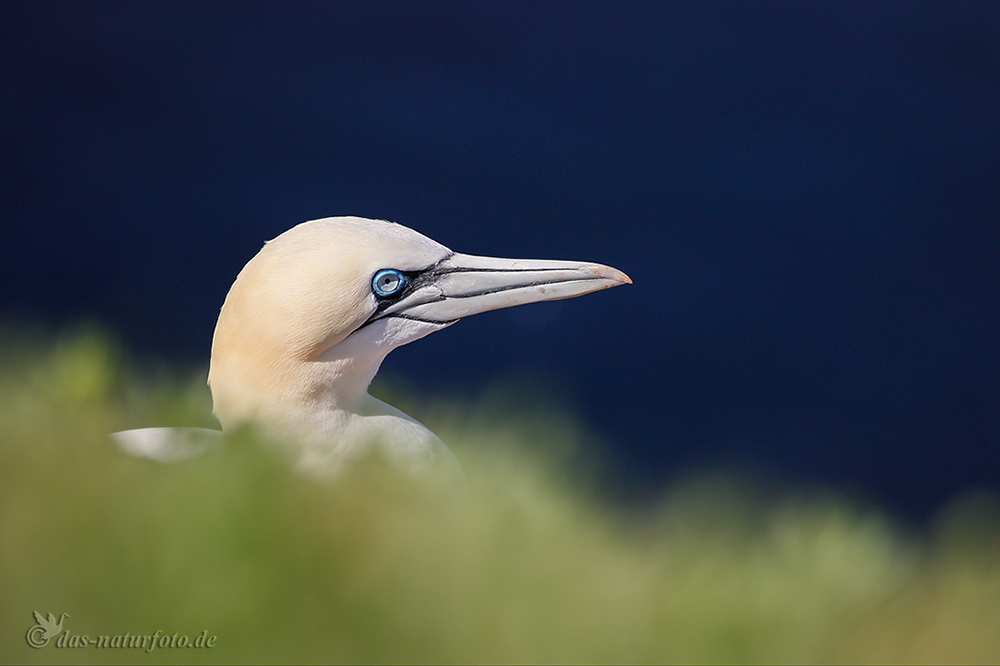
point(388, 282)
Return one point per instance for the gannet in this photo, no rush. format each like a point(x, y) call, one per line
point(310, 318)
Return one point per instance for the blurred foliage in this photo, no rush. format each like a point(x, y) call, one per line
point(528, 564)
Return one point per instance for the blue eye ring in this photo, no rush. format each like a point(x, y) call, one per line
point(388, 282)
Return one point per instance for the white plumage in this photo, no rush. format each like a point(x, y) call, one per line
point(309, 319)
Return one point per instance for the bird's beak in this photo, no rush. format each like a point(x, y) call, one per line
point(461, 285)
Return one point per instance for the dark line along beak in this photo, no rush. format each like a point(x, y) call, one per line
point(462, 285)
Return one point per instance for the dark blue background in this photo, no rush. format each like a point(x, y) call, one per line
point(807, 196)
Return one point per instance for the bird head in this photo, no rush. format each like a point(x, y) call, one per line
point(310, 318)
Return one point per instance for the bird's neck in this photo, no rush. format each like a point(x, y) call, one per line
point(335, 383)
point(321, 412)
point(334, 421)
point(317, 403)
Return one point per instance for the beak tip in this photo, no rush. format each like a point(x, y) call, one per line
point(609, 273)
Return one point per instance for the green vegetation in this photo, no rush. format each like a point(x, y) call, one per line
point(528, 564)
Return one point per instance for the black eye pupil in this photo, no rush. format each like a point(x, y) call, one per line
point(388, 282)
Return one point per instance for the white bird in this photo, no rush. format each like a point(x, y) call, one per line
point(310, 318)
